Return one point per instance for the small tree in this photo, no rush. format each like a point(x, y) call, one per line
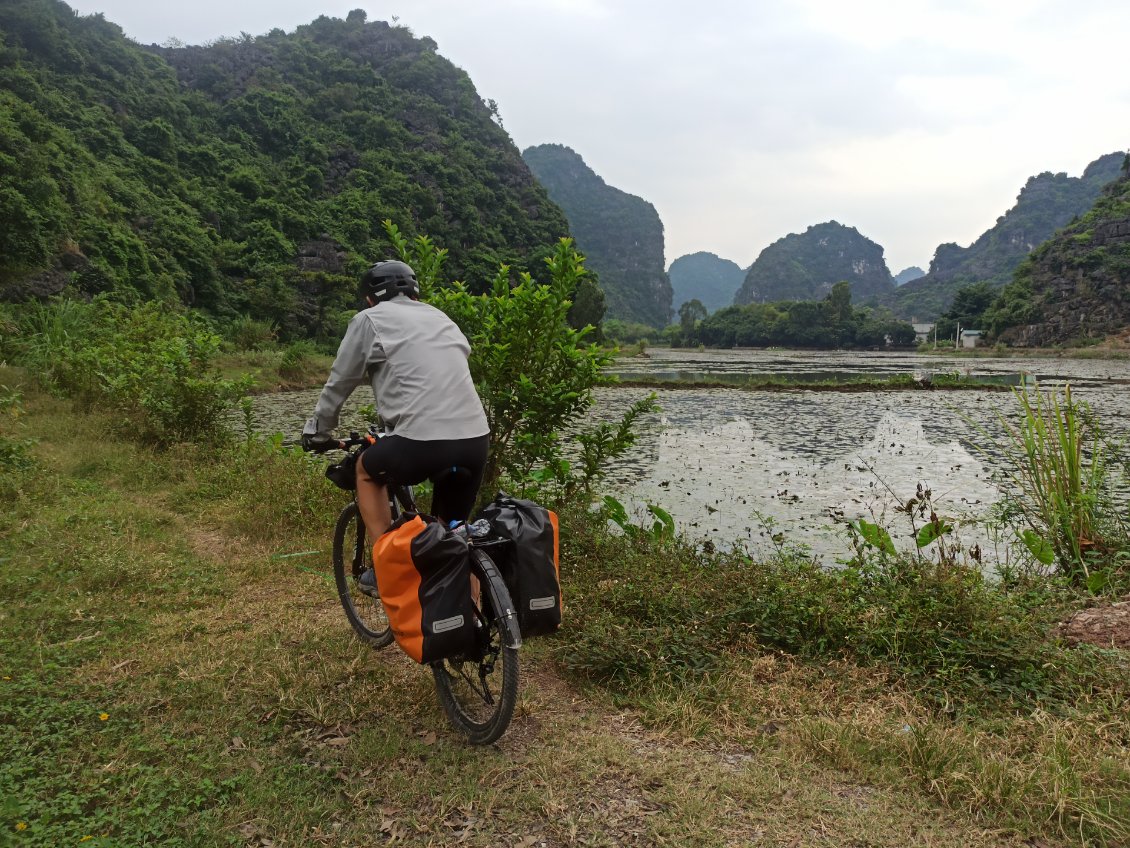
point(535, 374)
point(690, 313)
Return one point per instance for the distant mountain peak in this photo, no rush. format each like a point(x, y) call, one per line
point(805, 266)
point(705, 277)
point(620, 234)
point(907, 274)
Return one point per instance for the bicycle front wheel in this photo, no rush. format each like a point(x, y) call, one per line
point(352, 555)
point(479, 692)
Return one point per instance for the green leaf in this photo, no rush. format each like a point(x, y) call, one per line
point(932, 531)
point(1038, 546)
point(616, 512)
point(664, 527)
point(1096, 581)
point(875, 536)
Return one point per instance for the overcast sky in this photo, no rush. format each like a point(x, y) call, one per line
point(915, 121)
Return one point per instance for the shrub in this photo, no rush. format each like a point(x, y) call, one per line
point(670, 611)
point(297, 359)
point(246, 333)
point(149, 364)
point(1059, 470)
point(534, 372)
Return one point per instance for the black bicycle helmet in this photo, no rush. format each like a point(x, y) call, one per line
point(387, 279)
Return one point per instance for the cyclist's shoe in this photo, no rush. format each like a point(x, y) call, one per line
point(367, 583)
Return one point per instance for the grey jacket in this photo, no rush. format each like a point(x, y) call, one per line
point(415, 358)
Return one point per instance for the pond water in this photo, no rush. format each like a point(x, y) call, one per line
point(740, 467)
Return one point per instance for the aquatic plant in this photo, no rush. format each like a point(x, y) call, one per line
point(1057, 464)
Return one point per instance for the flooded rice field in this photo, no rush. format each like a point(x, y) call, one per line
point(747, 467)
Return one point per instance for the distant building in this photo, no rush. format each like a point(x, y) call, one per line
point(922, 332)
point(970, 338)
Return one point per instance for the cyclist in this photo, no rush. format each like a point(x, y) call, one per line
point(415, 359)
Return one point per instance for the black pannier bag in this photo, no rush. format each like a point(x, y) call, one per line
point(530, 564)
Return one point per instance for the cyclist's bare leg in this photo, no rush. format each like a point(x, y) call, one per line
point(372, 500)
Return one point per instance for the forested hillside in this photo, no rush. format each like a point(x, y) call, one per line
point(620, 234)
point(805, 266)
point(1046, 203)
point(704, 277)
point(249, 176)
point(1076, 286)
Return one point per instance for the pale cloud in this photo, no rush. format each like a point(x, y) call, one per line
point(916, 121)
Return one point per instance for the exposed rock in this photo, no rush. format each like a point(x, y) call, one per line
point(1108, 627)
point(50, 282)
point(41, 286)
point(324, 255)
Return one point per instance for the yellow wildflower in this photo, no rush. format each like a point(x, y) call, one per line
point(21, 825)
point(103, 716)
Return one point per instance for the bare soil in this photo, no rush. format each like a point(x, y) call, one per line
point(1106, 626)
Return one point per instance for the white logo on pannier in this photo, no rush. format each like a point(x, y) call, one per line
point(443, 625)
point(543, 603)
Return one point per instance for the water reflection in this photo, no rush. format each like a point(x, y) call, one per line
point(811, 365)
point(726, 462)
point(727, 483)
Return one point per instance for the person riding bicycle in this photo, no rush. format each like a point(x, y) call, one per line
point(415, 358)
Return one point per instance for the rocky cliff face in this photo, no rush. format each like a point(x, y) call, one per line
point(1046, 203)
point(806, 266)
point(1076, 286)
point(620, 235)
point(706, 278)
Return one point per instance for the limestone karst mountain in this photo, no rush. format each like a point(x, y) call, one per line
point(1075, 286)
point(1045, 203)
point(249, 176)
point(805, 266)
point(620, 234)
point(706, 278)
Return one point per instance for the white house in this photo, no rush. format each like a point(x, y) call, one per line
point(970, 338)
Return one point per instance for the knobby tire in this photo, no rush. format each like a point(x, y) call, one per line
point(479, 695)
point(352, 554)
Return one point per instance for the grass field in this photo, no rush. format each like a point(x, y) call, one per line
point(175, 670)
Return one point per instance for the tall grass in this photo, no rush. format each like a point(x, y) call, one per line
point(43, 336)
point(1058, 463)
point(150, 364)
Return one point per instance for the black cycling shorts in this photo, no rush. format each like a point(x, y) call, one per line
point(455, 467)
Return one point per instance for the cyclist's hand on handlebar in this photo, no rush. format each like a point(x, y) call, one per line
point(319, 444)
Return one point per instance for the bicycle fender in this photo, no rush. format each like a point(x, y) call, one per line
point(511, 633)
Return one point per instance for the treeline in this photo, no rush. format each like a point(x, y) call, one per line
point(827, 324)
point(248, 177)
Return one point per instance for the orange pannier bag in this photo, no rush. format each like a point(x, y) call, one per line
point(423, 576)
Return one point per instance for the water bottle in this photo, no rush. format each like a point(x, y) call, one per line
point(475, 530)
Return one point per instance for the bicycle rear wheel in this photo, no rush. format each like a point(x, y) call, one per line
point(479, 692)
point(352, 555)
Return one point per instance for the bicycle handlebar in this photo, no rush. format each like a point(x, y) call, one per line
point(354, 440)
